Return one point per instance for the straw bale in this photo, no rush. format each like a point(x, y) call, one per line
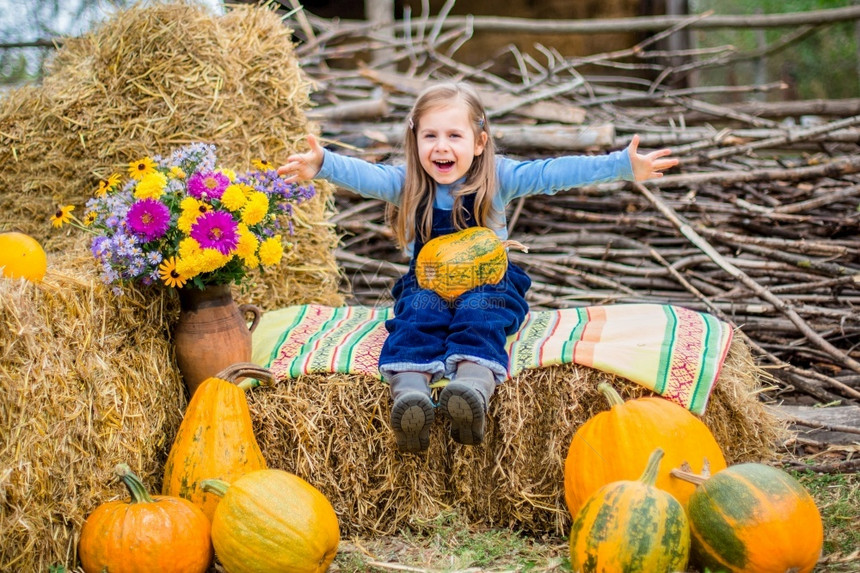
point(333, 430)
point(88, 381)
point(146, 81)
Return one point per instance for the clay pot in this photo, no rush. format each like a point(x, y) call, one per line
point(212, 333)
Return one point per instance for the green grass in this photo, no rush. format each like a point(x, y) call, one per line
point(449, 544)
point(838, 500)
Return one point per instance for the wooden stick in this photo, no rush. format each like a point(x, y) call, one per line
point(760, 291)
point(791, 137)
point(650, 23)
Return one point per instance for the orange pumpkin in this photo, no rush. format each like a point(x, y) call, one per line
point(753, 518)
point(21, 256)
point(216, 438)
point(272, 520)
point(455, 263)
point(614, 445)
point(160, 533)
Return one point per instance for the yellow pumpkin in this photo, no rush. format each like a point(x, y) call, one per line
point(21, 256)
point(631, 526)
point(272, 520)
point(458, 262)
point(216, 437)
point(614, 445)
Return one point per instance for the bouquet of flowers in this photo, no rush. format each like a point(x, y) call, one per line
point(184, 219)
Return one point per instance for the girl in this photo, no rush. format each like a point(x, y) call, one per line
point(453, 180)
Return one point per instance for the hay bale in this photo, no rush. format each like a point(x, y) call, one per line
point(90, 379)
point(87, 383)
point(149, 80)
point(334, 431)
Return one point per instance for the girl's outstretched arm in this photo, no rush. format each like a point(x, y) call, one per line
point(303, 166)
point(651, 164)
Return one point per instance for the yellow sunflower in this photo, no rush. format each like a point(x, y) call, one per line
point(113, 180)
point(102, 189)
point(141, 168)
point(168, 273)
point(62, 216)
point(262, 164)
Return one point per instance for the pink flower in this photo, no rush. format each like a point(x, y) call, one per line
point(216, 230)
point(148, 218)
point(207, 185)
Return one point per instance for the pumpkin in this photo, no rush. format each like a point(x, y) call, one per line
point(753, 518)
point(159, 533)
point(455, 263)
point(272, 520)
point(631, 526)
point(612, 445)
point(21, 256)
point(216, 437)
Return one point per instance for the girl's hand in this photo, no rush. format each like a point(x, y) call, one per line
point(650, 165)
point(303, 166)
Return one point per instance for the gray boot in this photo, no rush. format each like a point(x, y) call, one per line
point(412, 413)
point(465, 400)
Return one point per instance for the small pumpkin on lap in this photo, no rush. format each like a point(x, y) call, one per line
point(453, 264)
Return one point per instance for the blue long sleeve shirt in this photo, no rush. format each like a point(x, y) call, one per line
point(514, 179)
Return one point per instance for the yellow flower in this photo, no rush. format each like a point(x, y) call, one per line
point(231, 175)
point(62, 216)
point(177, 173)
point(247, 246)
point(262, 164)
point(189, 256)
point(151, 186)
point(90, 218)
point(213, 259)
point(194, 260)
point(256, 209)
point(170, 275)
point(139, 169)
point(106, 186)
point(191, 209)
point(101, 190)
point(113, 181)
point(234, 197)
point(252, 261)
point(271, 251)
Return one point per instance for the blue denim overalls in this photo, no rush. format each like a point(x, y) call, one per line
point(430, 334)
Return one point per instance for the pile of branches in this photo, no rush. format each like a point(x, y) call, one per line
point(758, 224)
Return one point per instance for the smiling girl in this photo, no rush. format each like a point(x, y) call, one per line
point(453, 180)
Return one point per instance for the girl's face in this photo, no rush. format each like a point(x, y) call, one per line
point(446, 142)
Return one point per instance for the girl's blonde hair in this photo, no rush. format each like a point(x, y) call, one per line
point(416, 201)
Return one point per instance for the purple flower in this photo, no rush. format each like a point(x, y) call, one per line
point(216, 230)
point(149, 218)
point(99, 244)
point(193, 157)
point(207, 185)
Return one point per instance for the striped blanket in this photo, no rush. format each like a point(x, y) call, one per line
point(674, 351)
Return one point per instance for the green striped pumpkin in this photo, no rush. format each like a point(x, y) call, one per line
point(631, 526)
point(455, 263)
point(753, 518)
